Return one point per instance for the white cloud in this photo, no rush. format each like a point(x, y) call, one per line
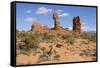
point(84, 27)
point(70, 28)
point(43, 10)
point(30, 20)
point(59, 10)
point(61, 13)
point(87, 27)
point(28, 11)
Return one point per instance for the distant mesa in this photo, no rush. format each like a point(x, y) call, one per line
point(57, 29)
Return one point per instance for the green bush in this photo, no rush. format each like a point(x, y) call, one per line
point(47, 36)
point(89, 36)
point(28, 46)
point(68, 38)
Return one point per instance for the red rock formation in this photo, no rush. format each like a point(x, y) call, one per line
point(76, 25)
point(36, 27)
point(57, 29)
point(56, 21)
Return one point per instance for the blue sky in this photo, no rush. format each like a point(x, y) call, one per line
point(26, 14)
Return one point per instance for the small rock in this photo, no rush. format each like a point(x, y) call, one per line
point(59, 45)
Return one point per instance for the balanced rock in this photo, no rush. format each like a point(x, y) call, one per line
point(56, 21)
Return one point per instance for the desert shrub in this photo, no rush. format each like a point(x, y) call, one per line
point(43, 49)
point(57, 56)
point(46, 56)
point(28, 46)
point(88, 52)
point(31, 44)
point(32, 36)
point(76, 35)
point(37, 36)
point(27, 42)
point(89, 36)
point(21, 34)
point(47, 36)
point(68, 38)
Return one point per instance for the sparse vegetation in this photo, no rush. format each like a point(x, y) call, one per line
point(68, 38)
point(46, 56)
point(88, 52)
point(29, 42)
point(89, 36)
point(26, 43)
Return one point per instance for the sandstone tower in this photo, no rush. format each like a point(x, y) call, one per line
point(56, 21)
point(76, 25)
point(57, 29)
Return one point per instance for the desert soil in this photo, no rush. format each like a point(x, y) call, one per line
point(79, 50)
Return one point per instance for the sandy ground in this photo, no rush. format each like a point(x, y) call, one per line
point(68, 52)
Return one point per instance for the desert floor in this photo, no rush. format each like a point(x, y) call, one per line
point(60, 51)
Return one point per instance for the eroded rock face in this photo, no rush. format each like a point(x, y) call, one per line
point(36, 27)
point(57, 29)
point(76, 25)
point(56, 21)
